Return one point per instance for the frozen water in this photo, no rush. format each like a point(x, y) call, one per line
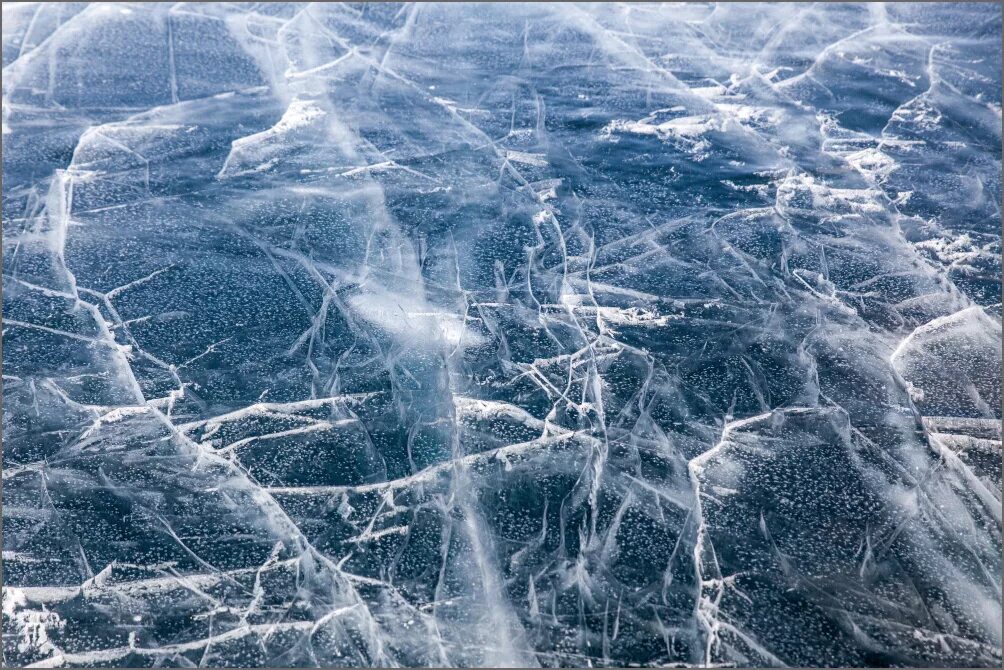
point(490, 335)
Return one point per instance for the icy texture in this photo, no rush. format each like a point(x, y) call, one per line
point(501, 335)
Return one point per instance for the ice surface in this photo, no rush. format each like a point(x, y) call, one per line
point(501, 335)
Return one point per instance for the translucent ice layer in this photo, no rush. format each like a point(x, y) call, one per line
point(494, 335)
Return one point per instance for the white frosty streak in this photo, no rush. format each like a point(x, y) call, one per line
point(110, 655)
point(258, 152)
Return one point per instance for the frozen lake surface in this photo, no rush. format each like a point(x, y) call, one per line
point(487, 335)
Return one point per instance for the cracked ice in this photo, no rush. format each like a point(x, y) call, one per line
point(501, 335)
